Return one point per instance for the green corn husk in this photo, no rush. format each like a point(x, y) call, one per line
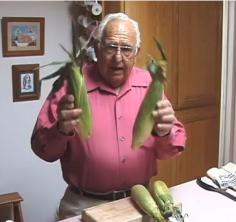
point(144, 122)
point(77, 83)
point(146, 203)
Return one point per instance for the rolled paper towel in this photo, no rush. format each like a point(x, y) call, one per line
point(224, 177)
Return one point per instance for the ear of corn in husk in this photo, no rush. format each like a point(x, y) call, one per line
point(144, 122)
point(165, 201)
point(141, 196)
point(73, 72)
point(163, 197)
point(79, 90)
point(82, 51)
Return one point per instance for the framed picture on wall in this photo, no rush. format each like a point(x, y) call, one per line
point(22, 36)
point(25, 82)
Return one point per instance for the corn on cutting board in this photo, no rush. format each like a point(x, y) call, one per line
point(122, 210)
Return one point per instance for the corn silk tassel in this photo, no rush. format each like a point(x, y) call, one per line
point(144, 122)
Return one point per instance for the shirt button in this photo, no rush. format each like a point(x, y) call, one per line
point(123, 160)
point(122, 138)
point(120, 117)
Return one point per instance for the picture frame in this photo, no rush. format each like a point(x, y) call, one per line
point(23, 36)
point(25, 82)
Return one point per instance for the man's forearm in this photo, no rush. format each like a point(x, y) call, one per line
point(48, 143)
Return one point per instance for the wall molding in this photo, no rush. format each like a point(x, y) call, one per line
point(227, 143)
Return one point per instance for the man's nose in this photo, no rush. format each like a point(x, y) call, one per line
point(118, 55)
point(118, 51)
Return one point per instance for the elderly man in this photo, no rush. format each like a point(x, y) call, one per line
point(105, 167)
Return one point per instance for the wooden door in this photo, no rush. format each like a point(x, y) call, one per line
point(191, 34)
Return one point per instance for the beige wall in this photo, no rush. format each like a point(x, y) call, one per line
point(40, 183)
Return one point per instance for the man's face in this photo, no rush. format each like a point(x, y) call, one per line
point(116, 53)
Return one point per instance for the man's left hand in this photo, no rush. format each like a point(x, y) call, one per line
point(164, 117)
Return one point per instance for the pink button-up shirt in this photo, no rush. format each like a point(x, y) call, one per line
point(105, 161)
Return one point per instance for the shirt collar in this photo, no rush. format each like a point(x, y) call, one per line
point(93, 80)
point(139, 77)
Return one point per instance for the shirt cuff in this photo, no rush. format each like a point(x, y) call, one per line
point(62, 133)
point(172, 138)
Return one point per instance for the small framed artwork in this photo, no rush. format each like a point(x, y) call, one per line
point(25, 82)
point(22, 36)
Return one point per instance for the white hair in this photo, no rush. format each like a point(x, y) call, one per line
point(118, 16)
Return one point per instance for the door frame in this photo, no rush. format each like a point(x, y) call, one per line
point(227, 139)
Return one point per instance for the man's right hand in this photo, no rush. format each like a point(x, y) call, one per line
point(69, 116)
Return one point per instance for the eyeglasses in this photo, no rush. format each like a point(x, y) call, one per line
point(126, 51)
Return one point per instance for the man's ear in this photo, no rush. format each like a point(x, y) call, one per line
point(96, 48)
point(137, 51)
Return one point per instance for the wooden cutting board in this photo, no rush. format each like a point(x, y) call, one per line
point(122, 210)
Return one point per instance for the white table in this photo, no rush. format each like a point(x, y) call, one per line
point(200, 205)
point(204, 206)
